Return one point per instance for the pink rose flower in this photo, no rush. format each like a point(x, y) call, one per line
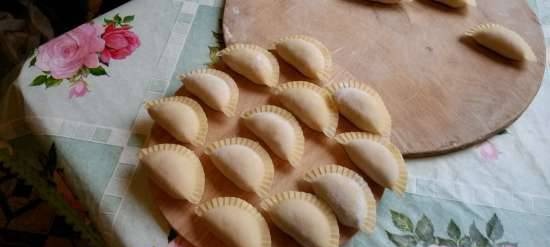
point(488, 151)
point(120, 42)
point(66, 54)
point(79, 89)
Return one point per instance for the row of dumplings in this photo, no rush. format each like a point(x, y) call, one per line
point(179, 172)
point(341, 195)
point(315, 106)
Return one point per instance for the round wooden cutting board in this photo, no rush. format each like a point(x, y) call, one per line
point(444, 92)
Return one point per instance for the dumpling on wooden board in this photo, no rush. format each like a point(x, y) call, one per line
point(244, 162)
point(312, 104)
point(308, 55)
point(277, 128)
point(377, 158)
point(213, 87)
point(304, 217)
point(253, 62)
point(182, 117)
point(235, 222)
point(347, 193)
point(362, 106)
point(502, 41)
point(176, 170)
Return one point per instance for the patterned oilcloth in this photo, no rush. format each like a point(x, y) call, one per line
point(87, 107)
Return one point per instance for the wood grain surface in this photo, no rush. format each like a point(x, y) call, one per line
point(443, 91)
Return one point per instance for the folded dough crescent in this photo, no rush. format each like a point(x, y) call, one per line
point(182, 117)
point(253, 62)
point(502, 41)
point(213, 87)
point(277, 128)
point(244, 162)
point(308, 55)
point(377, 158)
point(235, 222)
point(304, 217)
point(175, 169)
point(347, 193)
point(312, 104)
point(362, 106)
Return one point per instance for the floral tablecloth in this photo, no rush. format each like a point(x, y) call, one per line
point(74, 117)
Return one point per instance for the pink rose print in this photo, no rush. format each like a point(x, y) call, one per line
point(77, 54)
point(488, 151)
point(65, 55)
point(120, 42)
point(79, 89)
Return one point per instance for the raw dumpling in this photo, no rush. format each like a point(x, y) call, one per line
point(253, 62)
point(215, 88)
point(244, 162)
point(311, 104)
point(307, 55)
point(362, 106)
point(346, 193)
point(457, 3)
point(235, 222)
point(175, 169)
point(304, 217)
point(377, 158)
point(182, 117)
point(279, 130)
point(503, 41)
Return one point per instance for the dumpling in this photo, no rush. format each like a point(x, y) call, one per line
point(235, 222)
point(457, 3)
point(311, 104)
point(503, 41)
point(215, 88)
point(346, 193)
point(304, 217)
point(175, 169)
point(362, 106)
point(279, 130)
point(377, 158)
point(307, 55)
point(182, 117)
point(253, 62)
point(244, 162)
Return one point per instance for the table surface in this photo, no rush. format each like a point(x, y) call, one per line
point(497, 192)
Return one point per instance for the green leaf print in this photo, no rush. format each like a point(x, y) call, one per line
point(128, 19)
point(477, 238)
point(39, 80)
point(52, 82)
point(507, 244)
point(424, 233)
point(494, 228)
point(425, 229)
point(97, 71)
point(402, 240)
point(465, 242)
point(453, 230)
point(401, 221)
point(446, 242)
